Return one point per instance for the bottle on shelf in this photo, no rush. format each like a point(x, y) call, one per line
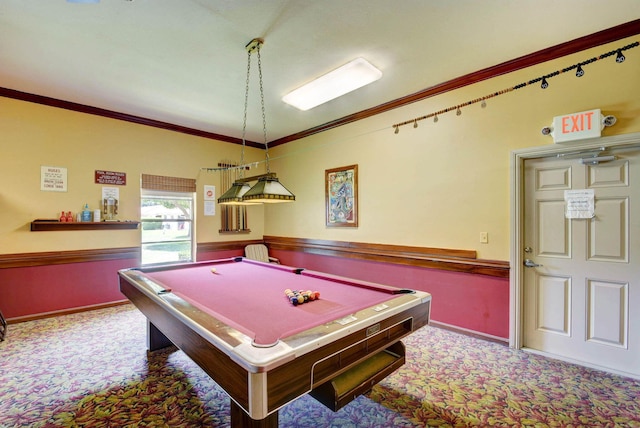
point(63, 217)
point(86, 213)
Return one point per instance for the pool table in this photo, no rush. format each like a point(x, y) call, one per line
point(232, 318)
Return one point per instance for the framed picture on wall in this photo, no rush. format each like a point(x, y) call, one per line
point(341, 196)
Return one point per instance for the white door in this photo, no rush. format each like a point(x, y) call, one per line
point(583, 302)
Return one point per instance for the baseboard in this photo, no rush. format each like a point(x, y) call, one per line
point(472, 333)
point(51, 314)
point(635, 376)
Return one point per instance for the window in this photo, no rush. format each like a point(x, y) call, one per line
point(167, 219)
point(167, 227)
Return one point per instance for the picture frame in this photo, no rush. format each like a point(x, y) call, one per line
point(341, 196)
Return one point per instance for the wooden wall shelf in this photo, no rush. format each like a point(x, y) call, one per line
point(55, 225)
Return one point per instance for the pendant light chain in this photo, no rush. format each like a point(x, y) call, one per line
point(264, 117)
point(244, 121)
point(268, 189)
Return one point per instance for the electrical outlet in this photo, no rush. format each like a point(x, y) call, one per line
point(484, 237)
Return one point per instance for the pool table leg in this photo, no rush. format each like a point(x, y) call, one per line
point(155, 338)
point(240, 419)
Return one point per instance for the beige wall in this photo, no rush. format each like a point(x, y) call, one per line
point(443, 183)
point(33, 135)
point(439, 185)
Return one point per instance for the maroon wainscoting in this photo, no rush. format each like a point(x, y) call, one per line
point(36, 285)
point(467, 293)
point(475, 302)
point(30, 291)
point(215, 255)
point(223, 250)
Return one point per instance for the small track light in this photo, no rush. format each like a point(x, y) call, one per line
point(544, 84)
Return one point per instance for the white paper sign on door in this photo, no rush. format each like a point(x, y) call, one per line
point(580, 203)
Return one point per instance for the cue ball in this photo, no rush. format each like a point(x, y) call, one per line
point(213, 270)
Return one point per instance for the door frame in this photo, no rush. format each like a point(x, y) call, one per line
point(516, 271)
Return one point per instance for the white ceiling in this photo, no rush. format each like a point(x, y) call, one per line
point(184, 61)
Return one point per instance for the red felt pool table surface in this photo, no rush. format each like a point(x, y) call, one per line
point(249, 296)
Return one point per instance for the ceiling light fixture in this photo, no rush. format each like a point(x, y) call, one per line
point(334, 84)
point(268, 189)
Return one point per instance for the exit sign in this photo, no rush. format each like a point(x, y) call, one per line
point(577, 126)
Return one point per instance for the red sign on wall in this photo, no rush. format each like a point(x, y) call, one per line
point(111, 177)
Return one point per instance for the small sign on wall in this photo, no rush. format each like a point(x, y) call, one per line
point(53, 179)
point(111, 177)
point(209, 200)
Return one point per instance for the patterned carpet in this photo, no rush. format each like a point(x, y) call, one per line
point(92, 370)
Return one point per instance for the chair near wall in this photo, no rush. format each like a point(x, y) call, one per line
point(260, 253)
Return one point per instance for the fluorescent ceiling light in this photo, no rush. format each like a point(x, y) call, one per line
point(338, 82)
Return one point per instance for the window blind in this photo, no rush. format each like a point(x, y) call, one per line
point(168, 184)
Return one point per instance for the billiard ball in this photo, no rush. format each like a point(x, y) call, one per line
point(213, 270)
